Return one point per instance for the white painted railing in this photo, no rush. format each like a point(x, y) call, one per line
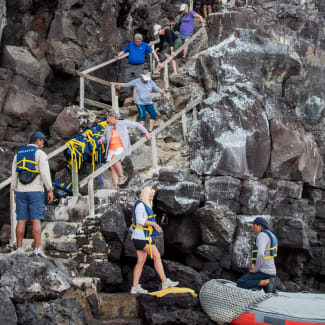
point(90, 179)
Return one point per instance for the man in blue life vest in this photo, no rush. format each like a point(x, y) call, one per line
point(137, 53)
point(265, 248)
point(30, 173)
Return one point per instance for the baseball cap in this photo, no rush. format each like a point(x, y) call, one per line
point(37, 135)
point(259, 221)
point(156, 29)
point(183, 7)
point(138, 36)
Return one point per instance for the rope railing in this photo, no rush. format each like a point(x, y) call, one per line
point(90, 179)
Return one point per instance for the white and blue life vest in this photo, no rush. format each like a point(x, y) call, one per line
point(273, 250)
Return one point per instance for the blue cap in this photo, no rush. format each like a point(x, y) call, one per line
point(260, 222)
point(37, 135)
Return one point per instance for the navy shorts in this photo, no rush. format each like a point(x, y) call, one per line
point(30, 205)
point(140, 244)
point(150, 108)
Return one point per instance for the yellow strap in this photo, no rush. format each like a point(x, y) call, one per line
point(164, 292)
point(269, 249)
point(26, 160)
point(265, 257)
point(30, 170)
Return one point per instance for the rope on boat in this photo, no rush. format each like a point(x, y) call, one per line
point(223, 301)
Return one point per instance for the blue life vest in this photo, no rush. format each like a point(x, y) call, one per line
point(273, 250)
point(26, 164)
point(67, 187)
point(149, 231)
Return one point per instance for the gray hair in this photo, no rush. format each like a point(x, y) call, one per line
point(111, 113)
point(138, 36)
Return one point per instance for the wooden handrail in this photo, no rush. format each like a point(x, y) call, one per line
point(139, 143)
point(101, 65)
point(179, 50)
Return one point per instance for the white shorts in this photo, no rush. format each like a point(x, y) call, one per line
point(112, 153)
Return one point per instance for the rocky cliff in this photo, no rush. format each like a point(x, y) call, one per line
point(256, 148)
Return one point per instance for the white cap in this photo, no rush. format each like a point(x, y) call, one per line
point(145, 77)
point(156, 29)
point(183, 7)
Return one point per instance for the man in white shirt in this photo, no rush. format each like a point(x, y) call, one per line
point(30, 173)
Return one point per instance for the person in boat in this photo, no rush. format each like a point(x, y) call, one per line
point(172, 40)
point(145, 228)
point(137, 54)
point(30, 173)
point(117, 138)
point(143, 99)
point(263, 271)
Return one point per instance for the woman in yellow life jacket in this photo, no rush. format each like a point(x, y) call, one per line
point(143, 222)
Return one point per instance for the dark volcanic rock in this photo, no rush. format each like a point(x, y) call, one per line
point(112, 224)
point(173, 309)
point(109, 273)
point(178, 193)
point(7, 309)
point(25, 278)
point(55, 312)
point(186, 276)
point(223, 190)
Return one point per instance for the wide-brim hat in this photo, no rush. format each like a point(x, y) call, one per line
point(156, 29)
point(260, 221)
point(183, 7)
point(38, 135)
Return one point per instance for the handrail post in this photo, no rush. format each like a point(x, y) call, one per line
point(166, 78)
point(154, 151)
point(191, 4)
point(91, 197)
point(195, 114)
point(184, 126)
point(75, 182)
point(152, 61)
point(82, 93)
point(13, 221)
point(114, 100)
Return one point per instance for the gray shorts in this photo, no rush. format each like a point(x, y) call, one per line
point(133, 71)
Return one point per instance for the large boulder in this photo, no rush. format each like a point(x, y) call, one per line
point(186, 276)
point(178, 193)
point(224, 190)
point(55, 312)
point(218, 224)
point(109, 273)
point(182, 233)
point(7, 309)
point(112, 224)
point(26, 278)
point(22, 62)
point(294, 155)
point(24, 106)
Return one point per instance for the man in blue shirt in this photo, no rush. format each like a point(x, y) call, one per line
point(137, 53)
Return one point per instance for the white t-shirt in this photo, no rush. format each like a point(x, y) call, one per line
point(141, 217)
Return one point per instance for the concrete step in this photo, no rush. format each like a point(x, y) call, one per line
point(118, 306)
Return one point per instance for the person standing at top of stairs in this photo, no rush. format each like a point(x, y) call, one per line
point(144, 86)
point(137, 53)
point(117, 138)
point(30, 173)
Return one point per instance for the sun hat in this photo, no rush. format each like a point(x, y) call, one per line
point(183, 7)
point(156, 29)
point(37, 135)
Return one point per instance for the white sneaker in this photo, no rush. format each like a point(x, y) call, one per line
point(138, 289)
point(20, 250)
point(122, 180)
point(39, 252)
point(168, 284)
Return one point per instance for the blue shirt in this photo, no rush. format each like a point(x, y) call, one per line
point(137, 54)
point(143, 90)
